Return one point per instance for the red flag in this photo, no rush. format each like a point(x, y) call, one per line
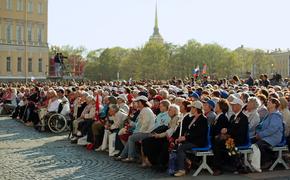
point(97, 118)
point(204, 69)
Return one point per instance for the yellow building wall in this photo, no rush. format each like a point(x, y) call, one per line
point(281, 63)
point(35, 50)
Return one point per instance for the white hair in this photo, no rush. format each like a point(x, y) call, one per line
point(256, 101)
point(179, 100)
point(164, 93)
point(176, 107)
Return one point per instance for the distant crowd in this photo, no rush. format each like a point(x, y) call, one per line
point(147, 121)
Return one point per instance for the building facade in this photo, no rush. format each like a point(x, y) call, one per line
point(281, 63)
point(23, 39)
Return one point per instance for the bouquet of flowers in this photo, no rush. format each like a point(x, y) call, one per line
point(231, 147)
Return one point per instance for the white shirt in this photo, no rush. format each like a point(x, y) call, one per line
point(65, 106)
point(53, 105)
point(118, 119)
point(124, 107)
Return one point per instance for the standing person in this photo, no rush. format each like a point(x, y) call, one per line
point(265, 81)
point(250, 80)
point(57, 64)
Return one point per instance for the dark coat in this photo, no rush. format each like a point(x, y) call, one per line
point(197, 133)
point(218, 124)
point(239, 129)
point(186, 121)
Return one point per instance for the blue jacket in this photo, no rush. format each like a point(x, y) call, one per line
point(271, 128)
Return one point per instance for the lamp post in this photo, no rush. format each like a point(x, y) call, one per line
point(25, 43)
point(272, 65)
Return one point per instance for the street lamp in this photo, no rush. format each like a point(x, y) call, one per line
point(272, 65)
point(25, 44)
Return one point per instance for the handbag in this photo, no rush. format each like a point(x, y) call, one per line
point(160, 129)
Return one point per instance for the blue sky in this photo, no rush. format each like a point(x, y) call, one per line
point(129, 23)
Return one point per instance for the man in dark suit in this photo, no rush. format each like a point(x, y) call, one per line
point(239, 125)
point(195, 136)
point(237, 130)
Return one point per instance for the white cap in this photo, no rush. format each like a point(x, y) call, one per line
point(237, 101)
point(123, 97)
point(196, 104)
point(144, 98)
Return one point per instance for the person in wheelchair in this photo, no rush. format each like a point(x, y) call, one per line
point(8, 101)
point(59, 105)
point(64, 107)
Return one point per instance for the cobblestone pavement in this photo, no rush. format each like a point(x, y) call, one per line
point(28, 154)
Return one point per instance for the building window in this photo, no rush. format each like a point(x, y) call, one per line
point(19, 33)
point(40, 8)
point(39, 65)
point(8, 33)
point(30, 65)
point(20, 5)
point(39, 35)
point(19, 64)
point(29, 33)
point(30, 6)
point(8, 64)
point(9, 4)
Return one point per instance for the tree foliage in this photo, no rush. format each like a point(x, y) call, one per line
point(163, 61)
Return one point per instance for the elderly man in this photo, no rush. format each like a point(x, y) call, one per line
point(122, 100)
point(237, 130)
point(117, 118)
point(87, 114)
point(65, 104)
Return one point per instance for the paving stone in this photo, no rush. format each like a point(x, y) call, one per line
point(28, 154)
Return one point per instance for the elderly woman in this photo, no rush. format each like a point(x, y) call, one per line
point(121, 101)
point(252, 114)
point(221, 121)
point(196, 136)
point(209, 106)
point(285, 114)
point(286, 118)
point(185, 119)
point(269, 132)
point(145, 123)
point(262, 109)
point(87, 114)
point(117, 119)
point(10, 102)
point(164, 93)
point(155, 148)
point(236, 130)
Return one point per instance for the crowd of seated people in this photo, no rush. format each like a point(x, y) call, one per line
point(144, 122)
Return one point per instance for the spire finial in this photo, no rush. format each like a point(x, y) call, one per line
point(156, 16)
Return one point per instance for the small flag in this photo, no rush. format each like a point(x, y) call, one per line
point(204, 69)
point(196, 71)
point(33, 79)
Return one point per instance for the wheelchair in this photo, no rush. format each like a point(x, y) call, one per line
point(57, 122)
point(54, 122)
